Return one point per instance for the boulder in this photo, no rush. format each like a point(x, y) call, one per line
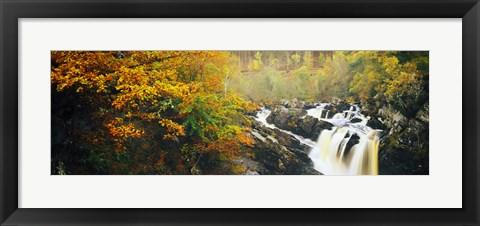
point(423, 113)
point(294, 103)
point(354, 139)
point(338, 107)
point(327, 114)
point(374, 123)
point(355, 120)
point(275, 159)
point(297, 121)
point(276, 152)
point(306, 126)
point(309, 105)
point(286, 139)
point(279, 116)
point(319, 127)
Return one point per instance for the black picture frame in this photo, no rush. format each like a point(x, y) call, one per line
point(11, 11)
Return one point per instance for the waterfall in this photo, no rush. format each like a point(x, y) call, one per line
point(317, 111)
point(330, 155)
point(347, 149)
point(262, 117)
point(330, 158)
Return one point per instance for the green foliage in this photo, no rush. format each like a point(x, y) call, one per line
point(399, 78)
point(257, 61)
point(296, 58)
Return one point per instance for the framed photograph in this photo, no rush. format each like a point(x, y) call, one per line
point(239, 112)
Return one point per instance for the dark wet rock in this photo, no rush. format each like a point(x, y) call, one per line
point(342, 106)
point(392, 118)
point(403, 160)
point(339, 106)
point(319, 127)
point(355, 120)
point(306, 126)
point(277, 136)
point(405, 149)
point(302, 154)
point(279, 116)
point(355, 139)
point(296, 112)
point(327, 114)
point(303, 113)
point(423, 113)
point(256, 124)
point(275, 159)
point(294, 104)
point(286, 139)
point(376, 124)
point(309, 105)
point(297, 121)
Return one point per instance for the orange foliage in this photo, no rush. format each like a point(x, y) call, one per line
point(164, 87)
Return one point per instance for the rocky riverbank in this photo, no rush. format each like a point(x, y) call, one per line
point(284, 149)
point(284, 146)
point(405, 149)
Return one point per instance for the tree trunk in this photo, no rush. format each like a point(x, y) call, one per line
point(316, 59)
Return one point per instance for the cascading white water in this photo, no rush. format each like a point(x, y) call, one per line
point(317, 111)
point(329, 154)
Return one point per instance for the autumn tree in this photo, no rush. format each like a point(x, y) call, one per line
point(175, 95)
point(401, 78)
